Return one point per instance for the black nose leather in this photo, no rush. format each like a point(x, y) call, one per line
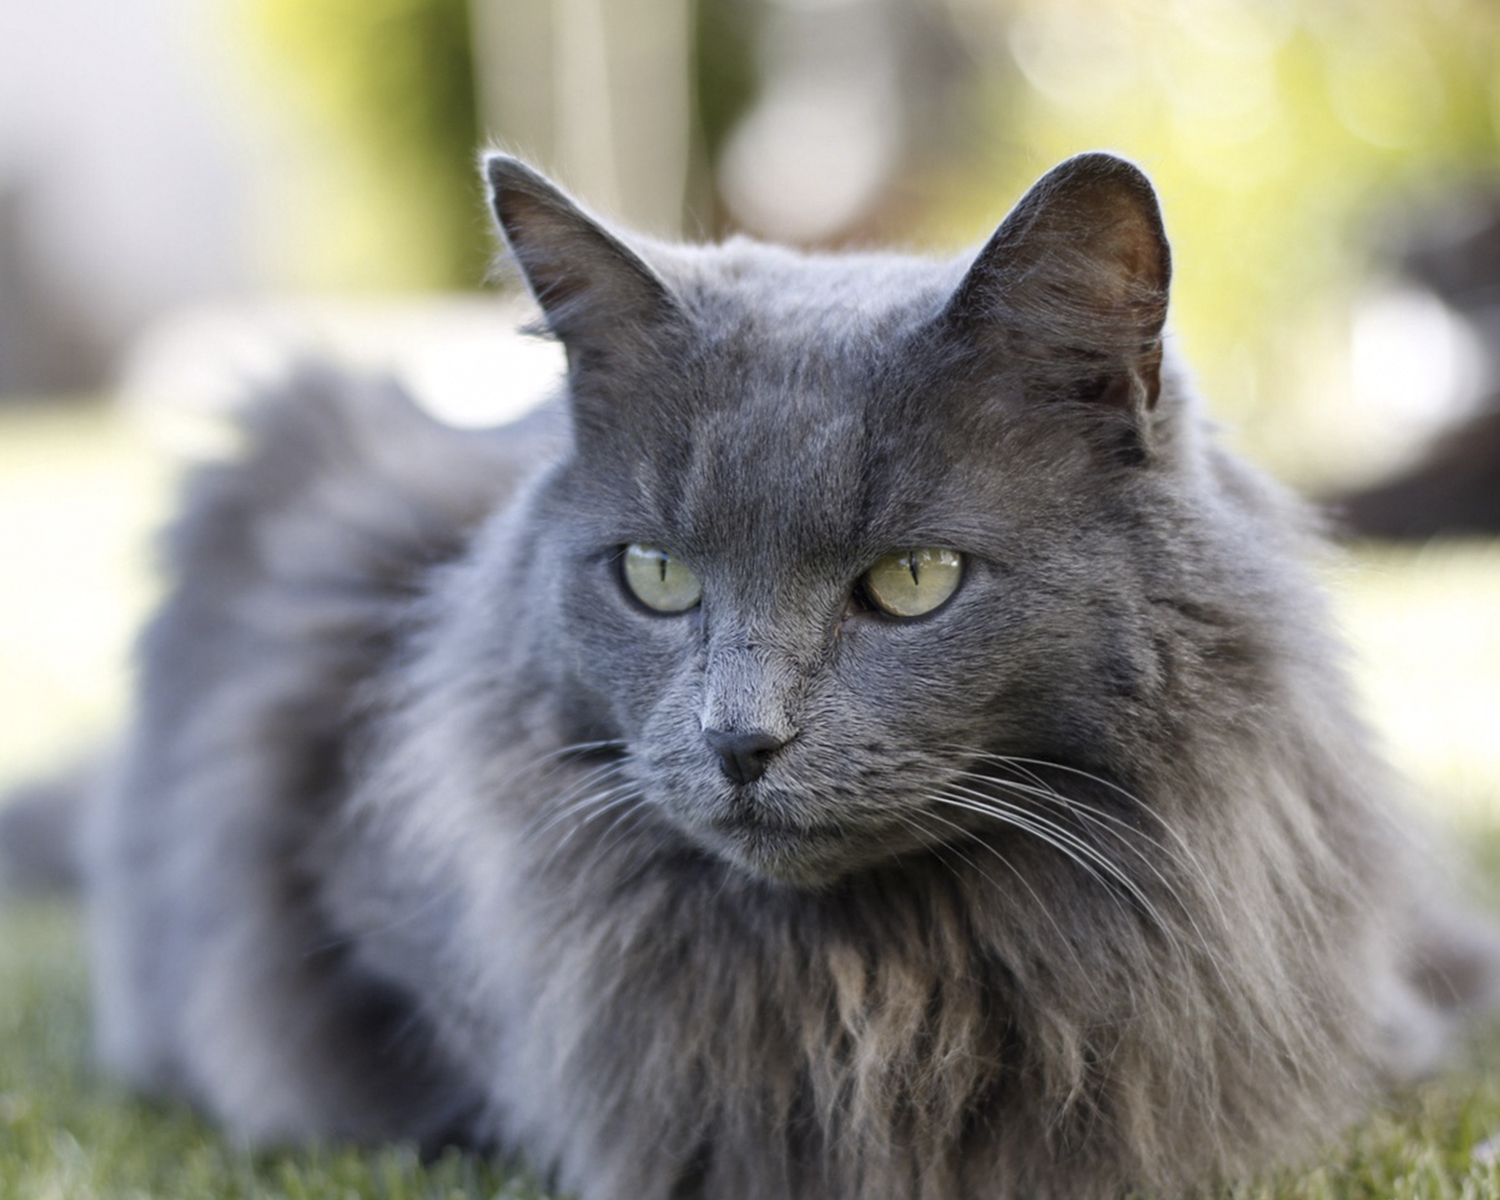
point(743, 756)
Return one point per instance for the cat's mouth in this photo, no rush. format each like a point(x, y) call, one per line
point(756, 828)
point(766, 844)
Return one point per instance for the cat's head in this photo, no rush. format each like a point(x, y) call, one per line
point(836, 528)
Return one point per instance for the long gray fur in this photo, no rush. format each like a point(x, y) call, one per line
point(1086, 881)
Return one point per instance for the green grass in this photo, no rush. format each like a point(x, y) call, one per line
point(79, 488)
point(67, 1134)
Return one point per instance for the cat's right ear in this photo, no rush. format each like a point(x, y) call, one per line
point(596, 294)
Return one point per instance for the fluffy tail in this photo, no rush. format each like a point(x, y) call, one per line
point(40, 830)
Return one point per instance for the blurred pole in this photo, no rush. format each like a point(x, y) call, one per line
point(596, 91)
point(513, 59)
point(582, 75)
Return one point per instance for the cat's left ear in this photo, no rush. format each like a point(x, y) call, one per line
point(1074, 284)
point(596, 294)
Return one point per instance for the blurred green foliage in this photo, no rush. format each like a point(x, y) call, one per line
point(388, 88)
point(724, 78)
point(1281, 135)
point(391, 85)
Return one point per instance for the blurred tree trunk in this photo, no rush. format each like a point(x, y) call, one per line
point(598, 92)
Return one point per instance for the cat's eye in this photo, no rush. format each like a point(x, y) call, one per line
point(659, 580)
point(909, 583)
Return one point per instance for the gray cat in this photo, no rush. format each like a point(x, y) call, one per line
point(866, 741)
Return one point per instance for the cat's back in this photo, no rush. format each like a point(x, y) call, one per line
point(342, 496)
point(290, 574)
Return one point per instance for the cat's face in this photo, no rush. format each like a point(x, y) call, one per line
point(827, 547)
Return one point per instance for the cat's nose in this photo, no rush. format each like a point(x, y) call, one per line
point(743, 756)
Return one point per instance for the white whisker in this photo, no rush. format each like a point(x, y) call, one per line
point(1179, 851)
point(578, 796)
point(590, 806)
point(1103, 822)
point(995, 853)
point(1023, 764)
point(1059, 839)
point(626, 795)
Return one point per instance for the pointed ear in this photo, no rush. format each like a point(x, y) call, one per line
point(1074, 283)
point(595, 292)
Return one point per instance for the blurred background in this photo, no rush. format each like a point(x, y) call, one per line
point(193, 191)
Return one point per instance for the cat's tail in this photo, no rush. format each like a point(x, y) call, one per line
point(41, 831)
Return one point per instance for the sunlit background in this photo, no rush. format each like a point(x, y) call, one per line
point(194, 191)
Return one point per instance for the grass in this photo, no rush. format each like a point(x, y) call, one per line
point(66, 1134)
point(79, 486)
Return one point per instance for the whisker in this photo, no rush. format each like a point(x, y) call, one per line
point(995, 853)
point(543, 766)
point(581, 748)
point(1125, 833)
point(603, 797)
point(594, 788)
point(1040, 821)
point(1179, 851)
point(1022, 763)
point(1083, 855)
point(1045, 831)
point(625, 795)
point(1103, 822)
point(578, 795)
point(635, 802)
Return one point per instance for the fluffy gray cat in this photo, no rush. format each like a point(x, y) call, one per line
point(865, 741)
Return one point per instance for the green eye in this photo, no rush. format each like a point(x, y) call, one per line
point(658, 580)
point(909, 583)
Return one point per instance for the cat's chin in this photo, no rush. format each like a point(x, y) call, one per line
point(802, 857)
point(778, 860)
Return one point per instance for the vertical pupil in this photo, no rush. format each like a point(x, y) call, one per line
point(661, 565)
point(911, 565)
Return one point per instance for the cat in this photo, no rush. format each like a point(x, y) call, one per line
point(864, 739)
